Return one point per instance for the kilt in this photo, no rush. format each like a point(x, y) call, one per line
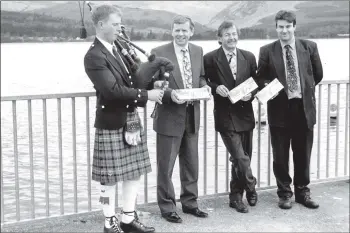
point(114, 160)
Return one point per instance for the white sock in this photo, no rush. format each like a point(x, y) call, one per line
point(107, 200)
point(130, 188)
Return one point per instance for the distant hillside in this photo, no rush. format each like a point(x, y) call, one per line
point(316, 19)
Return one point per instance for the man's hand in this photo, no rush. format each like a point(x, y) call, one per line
point(159, 84)
point(247, 97)
point(155, 95)
point(222, 90)
point(175, 97)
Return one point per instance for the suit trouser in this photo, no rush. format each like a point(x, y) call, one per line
point(168, 147)
point(297, 134)
point(239, 145)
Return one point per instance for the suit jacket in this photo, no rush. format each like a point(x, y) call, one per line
point(170, 117)
point(271, 66)
point(116, 92)
point(230, 117)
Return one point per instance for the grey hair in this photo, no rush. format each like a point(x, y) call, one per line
point(181, 19)
point(102, 12)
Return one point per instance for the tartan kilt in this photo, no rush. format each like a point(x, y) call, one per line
point(114, 160)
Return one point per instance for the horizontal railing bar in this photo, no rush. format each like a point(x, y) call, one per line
point(88, 94)
point(47, 96)
point(334, 82)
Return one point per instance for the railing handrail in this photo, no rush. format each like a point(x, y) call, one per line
point(88, 94)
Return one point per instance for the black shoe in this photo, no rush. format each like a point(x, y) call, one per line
point(252, 198)
point(284, 203)
point(195, 212)
point(239, 206)
point(135, 226)
point(172, 217)
point(306, 201)
point(114, 226)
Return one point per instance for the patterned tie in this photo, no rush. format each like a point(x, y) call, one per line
point(187, 69)
point(232, 63)
point(291, 72)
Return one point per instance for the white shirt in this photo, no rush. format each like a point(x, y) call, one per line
point(297, 93)
point(109, 47)
point(179, 56)
point(233, 64)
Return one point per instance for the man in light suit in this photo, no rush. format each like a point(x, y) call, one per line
point(226, 68)
point(292, 113)
point(177, 123)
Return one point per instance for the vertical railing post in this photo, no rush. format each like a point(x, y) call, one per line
point(268, 157)
point(346, 130)
point(74, 147)
point(319, 131)
point(145, 176)
point(337, 132)
point(31, 159)
point(259, 142)
point(205, 149)
point(60, 157)
point(88, 155)
point(46, 158)
point(2, 182)
point(216, 162)
point(328, 126)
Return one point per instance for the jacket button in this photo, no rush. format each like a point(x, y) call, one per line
point(130, 76)
point(102, 106)
point(135, 101)
point(139, 96)
point(127, 106)
point(131, 83)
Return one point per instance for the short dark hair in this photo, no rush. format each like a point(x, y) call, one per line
point(289, 16)
point(180, 19)
point(225, 25)
point(102, 12)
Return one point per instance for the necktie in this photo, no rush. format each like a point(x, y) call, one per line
point(119, 58)
point(291, 72)
point(187, 69)
point(232, 63)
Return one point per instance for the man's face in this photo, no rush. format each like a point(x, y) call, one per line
point(229, 38)
point(111, 27)
point(182, 33)
point(285, 30)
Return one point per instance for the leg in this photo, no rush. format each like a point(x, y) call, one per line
point(188, 162)
point(167, 150)
point(280, 141)
point(241, 172)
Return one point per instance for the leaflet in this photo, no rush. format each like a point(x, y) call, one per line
point(193, 94)
point(242, 90)
point(269, 91)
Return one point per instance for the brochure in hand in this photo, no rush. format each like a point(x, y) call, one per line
point(193, 94)
point(269, 91)
point(242, 90)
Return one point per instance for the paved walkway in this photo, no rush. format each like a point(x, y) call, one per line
point(332, 216)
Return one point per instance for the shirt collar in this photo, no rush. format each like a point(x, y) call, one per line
point(227, 52)
point(291, 43)
point(178, 48)
point(108, 46)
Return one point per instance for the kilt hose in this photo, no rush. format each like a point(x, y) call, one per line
point(114, 160)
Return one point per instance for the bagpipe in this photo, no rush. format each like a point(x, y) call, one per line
point(127, 49)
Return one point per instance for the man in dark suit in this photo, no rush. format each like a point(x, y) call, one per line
point(226, 68)
point(118, 97)
point(292, 113)
point(177, 123)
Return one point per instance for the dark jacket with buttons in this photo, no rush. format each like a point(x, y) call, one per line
point(271, 66)
point(230, 117)
point(116, 92)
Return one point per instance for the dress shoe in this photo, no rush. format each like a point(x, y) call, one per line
point(195, 212)
point(307, 201)
point(285, 203)
point(172, 217)
point(239, 206)
point(114, 226)
point(252, 198)
point(136, 227)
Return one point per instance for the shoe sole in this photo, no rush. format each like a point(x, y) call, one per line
point(239, 211)
point(310, 207)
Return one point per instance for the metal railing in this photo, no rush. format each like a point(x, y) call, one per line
point(23, 150)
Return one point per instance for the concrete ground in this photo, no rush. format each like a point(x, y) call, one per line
point(332, 216)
